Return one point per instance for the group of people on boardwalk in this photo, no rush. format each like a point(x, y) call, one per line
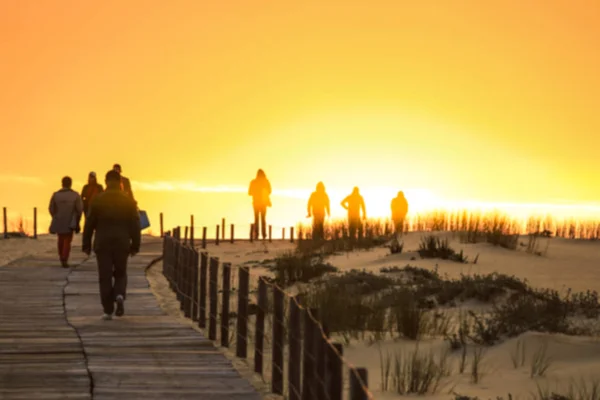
point(319, 208)
point(111, 219)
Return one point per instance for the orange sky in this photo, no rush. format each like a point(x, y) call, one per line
point(471, 100)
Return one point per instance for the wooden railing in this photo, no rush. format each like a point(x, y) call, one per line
point(290, 347)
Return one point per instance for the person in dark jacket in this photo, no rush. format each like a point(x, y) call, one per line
point(355, 203)
point(125, 184)
point(114, 217)
point(260, 190)
point(89, 191)
point(65, 208)
point(318, 207)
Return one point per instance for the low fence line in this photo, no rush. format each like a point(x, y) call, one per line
point(20, 230)
point(315, 364)
point(570, 228)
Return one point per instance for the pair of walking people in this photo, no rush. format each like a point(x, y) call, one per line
point(113, 216)
point(319, 207)
point(66, 209)
point(260, 190)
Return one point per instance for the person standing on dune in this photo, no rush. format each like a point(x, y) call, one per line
point(260, 190)
point(65, 208)
point(318, 207)
point(399, 210)
point(355, 203)
point(114, 217)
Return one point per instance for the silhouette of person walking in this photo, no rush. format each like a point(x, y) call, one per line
point(260, 190)
point(114, 217)
point(65, 208)
point(125, 184)
point(318, 207)
point(399, 210)
point(355, 203)
point(89, 191)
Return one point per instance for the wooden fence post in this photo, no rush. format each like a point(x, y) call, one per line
point(308, 358)
point(189, 282)
point(203, 272)
point(183, 281)
point(185, 237)
point(225, 306)
point(251, 233)
point(35, 222)
point(291, 234)
point(320, 354)
point(166, 255)
point(217, 236)
point(203, 237)
point(195, 275)
point(241, 344)
point(283, 233)
point(260, 326)
point(192, 231)
point(175, 279)
point(5, 223)
point(335, 370)
point(356, 388)
point(214, 275)
point(278, 343)
point(295, 351)
point(270, 233)
point(231, 239)
point(162, 232)
point(223, 229)
point(318, 380)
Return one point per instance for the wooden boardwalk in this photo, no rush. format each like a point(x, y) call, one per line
point(54, 344)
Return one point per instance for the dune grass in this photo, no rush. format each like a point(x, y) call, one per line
point(540, 361)
point(494, 227)
point(414, 372)
point(403, 302)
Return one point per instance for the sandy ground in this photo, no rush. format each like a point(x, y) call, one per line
point(573, 264)
point(14, 248)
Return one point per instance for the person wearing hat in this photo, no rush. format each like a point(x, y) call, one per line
point(89, 191)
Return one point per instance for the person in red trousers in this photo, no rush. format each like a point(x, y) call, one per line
point(66, 208)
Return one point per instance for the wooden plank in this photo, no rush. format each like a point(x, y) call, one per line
point(52, 338)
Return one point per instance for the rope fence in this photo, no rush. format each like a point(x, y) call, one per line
point(285, 343)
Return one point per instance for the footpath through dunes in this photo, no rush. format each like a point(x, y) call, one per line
point(54, 344)
point(41, 356)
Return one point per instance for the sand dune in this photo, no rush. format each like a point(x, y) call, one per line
point(568, 263)
point(565, 264)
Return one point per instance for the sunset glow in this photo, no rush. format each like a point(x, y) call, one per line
point(459, 104)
